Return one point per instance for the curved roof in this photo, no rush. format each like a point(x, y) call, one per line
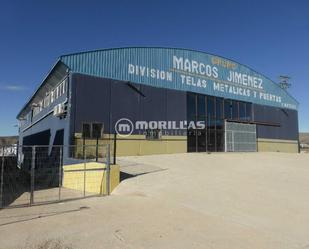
point(181, 69)
point(177, 68)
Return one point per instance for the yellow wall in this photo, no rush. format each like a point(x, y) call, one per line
point(276, 145)
point(90, 149)
point(134, 145)
point(141, 146)
point(73, 177)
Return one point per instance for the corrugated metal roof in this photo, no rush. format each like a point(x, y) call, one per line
point(113, 63)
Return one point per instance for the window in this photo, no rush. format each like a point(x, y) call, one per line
point(191, 116)
point(235, 114)
point(46, 100)
point(227, 109)
point(210, 106)
point(64, 86)
point(153, 134)
point(57, 92)
point(211, 140)
point(191, 106)
point(97, 130)
point(61, 88)
point(92, 130)
point(249, 111)
point(52, 96)
point(219, 141)
point(242, 111)
point(86, 130)
point(201, 107)
point(211, 123)
point(35, 111)
point(219, 108)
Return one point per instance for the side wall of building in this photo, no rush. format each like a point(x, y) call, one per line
point(106, 101)
point(280, 131)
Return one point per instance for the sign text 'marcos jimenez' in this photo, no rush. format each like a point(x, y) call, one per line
point(201, 69)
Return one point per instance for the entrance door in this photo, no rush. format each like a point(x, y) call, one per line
point(209, 110)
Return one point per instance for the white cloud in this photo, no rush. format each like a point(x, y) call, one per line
point(13, 88)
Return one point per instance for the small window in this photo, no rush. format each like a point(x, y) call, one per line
point(57, 92)
point(86, 130)
point(62, 88)
point(64, 83)
point(97, 130)
point(52, 96)
point(153, 134)
point(46, 100)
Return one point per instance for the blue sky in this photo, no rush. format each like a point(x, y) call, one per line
point(271, 38)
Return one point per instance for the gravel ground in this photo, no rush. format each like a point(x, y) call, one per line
point(219, 200)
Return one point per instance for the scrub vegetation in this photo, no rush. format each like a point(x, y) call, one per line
point(8, 140)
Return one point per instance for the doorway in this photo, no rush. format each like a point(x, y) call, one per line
point(209, 110)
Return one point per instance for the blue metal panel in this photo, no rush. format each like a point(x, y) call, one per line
point(287, 120)
point(184, 70)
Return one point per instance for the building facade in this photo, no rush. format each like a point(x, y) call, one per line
point(159, 92)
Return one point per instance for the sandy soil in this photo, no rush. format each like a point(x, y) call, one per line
point(252, 200)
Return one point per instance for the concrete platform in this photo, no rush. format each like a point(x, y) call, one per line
point(130, 167)
point(48, 195)
point(252, 200)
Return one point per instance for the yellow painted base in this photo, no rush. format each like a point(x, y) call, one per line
point(137, 145)
point(95, 175)
point(134, 145)
point(276, 145)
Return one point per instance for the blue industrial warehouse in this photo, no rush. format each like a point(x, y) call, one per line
point(150, 100)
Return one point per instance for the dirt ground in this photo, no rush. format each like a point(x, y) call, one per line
point(219, 200)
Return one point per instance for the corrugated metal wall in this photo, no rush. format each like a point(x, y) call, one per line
point(103, 100)
point(106, 101)
point(287, 121)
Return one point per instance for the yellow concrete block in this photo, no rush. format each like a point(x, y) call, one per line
point(94, 177)
point(176, 147)
point(127, 147)
point(134, 145)
point(276, 145)
point(137, 145)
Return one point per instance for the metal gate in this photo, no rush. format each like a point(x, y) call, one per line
point(240, 137)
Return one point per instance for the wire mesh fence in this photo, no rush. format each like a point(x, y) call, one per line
point(240, 137)
point(42, 174)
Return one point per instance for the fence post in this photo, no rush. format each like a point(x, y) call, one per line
point(225, 137)
point(32, 175)
point(108, 169)
point(233, 145)
point(97, 150)
point(2, 179)
point(115, 148)
point(60, 171)
point(84, 171)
